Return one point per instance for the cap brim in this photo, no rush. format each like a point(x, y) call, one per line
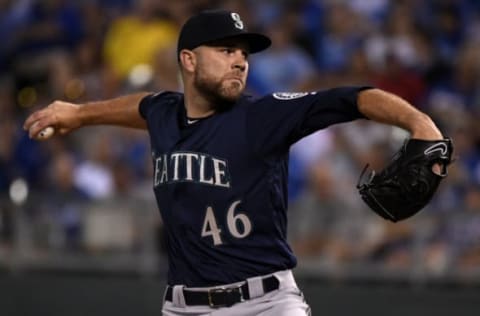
point(255, 41)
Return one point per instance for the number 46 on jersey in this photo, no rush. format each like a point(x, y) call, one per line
point(238, 224)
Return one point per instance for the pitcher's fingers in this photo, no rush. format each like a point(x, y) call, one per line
point(38, 126)
point(64, 131)
point(34, 117)
point(29, 121)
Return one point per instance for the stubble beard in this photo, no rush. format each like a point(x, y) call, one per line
point(220, 93)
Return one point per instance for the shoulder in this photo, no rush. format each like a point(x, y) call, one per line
point(165, 97)
point(249, 100)
point(154, 102)
point(278, 98)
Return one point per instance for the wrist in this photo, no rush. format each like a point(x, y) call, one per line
point(91, 113)
point(81, 113)
point(422, 127)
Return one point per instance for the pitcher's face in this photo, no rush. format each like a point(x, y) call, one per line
point(221, 70)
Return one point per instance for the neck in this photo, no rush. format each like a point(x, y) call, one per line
point(196, 105)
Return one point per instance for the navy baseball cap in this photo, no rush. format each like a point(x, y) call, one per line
point(214, 25)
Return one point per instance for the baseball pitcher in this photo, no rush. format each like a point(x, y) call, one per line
point(220, 161)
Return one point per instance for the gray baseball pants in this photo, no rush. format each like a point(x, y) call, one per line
point(288, 300)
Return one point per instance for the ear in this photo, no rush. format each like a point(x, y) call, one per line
point(188, 60)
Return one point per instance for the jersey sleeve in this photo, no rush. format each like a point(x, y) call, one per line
point(147, 104)
point(276, 121)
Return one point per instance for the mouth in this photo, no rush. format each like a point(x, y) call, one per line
point(234, 76)
point(235, 79)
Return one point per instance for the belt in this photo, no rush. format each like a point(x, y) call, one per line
point(223, 297)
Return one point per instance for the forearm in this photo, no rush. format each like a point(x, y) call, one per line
point(65, 117)
point(384, 107)
point(121, 111)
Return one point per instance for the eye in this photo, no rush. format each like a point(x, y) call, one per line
point(226, 50)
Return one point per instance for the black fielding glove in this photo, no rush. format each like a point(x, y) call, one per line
point(408, 183)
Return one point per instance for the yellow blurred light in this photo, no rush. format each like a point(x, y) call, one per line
point(74, 89)
point(27, 97)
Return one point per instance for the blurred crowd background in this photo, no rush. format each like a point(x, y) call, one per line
point(85, 201)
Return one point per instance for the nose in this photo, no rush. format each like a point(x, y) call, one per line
point(240, 66)
point(240, 62)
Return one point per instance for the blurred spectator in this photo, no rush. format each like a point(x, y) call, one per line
point(458, 91)
point(265, 12)
point(455, 240)
point(67, 204)
point(395, 56)
point(396, 40)
point(468, 256)
point(374, 11)
point(132, 41)
point(51, 24)
point(317, 217)
point(400, 81)
point(281, 68)
point(6, 224)
point(303, 154)
point(94, 174)
point(393, 247)
point(52, 27)
point(449, 18)
point(20, 157)
point(165, 70)
point(87, 84)
point(123, 178)
point(13, 16)
point(7, 129)
point(358, 71)
point(340, 36)
point(9, 170)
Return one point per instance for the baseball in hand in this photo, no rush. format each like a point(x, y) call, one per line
point(46, 133)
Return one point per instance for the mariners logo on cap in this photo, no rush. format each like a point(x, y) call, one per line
point(238, 21)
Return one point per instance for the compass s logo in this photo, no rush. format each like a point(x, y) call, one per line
point(237, 20)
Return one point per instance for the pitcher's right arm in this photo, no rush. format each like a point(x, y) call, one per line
point(65, 117)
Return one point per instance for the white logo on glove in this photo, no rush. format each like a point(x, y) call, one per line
point(442, 147)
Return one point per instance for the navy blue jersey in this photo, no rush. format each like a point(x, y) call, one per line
point(221, 182)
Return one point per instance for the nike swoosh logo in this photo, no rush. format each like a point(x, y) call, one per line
point(441, 147)
point(191, 121)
